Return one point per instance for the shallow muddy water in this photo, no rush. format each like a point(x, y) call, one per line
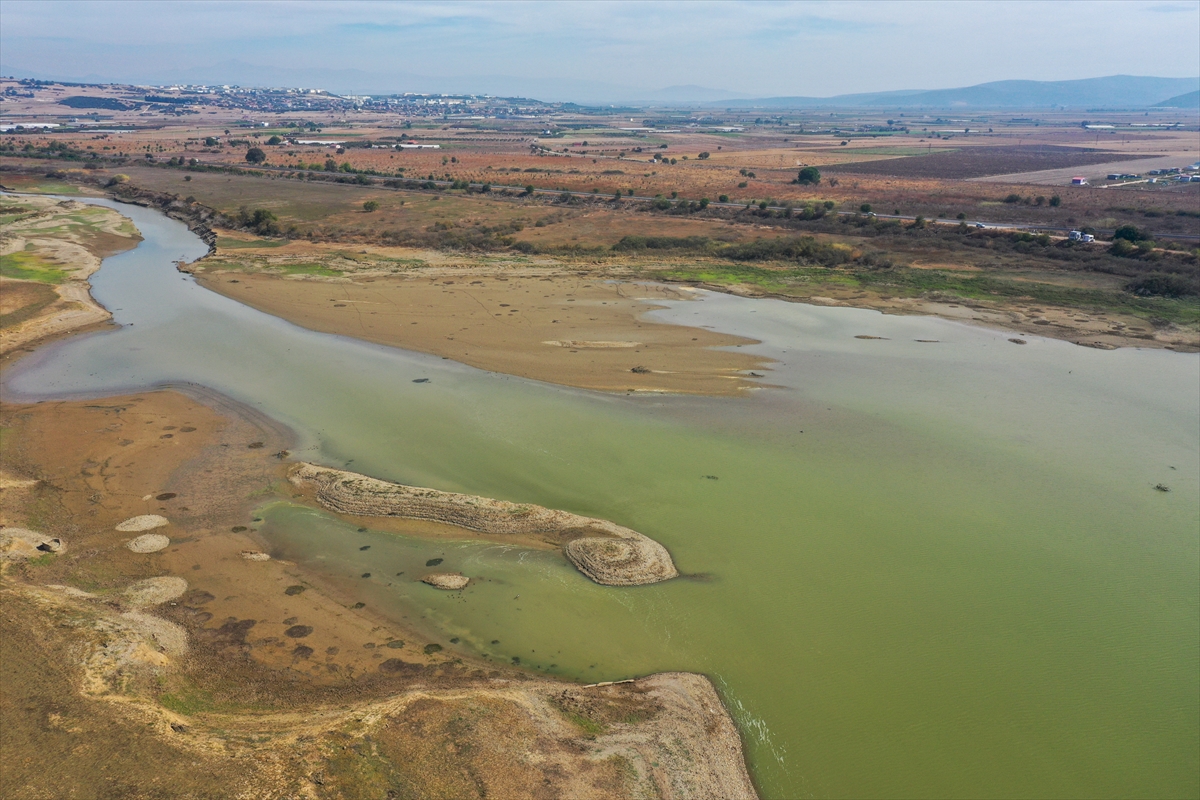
point(914, 569)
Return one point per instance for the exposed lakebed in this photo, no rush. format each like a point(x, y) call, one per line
point(916, 568)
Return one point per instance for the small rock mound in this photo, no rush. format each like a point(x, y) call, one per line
point(152, 591)
point(446, 580)
point(19, 544)
point(620, 562)
point(255, 555)
point(145, 522)
point(148, 543)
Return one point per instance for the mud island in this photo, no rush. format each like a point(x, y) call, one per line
point(605, 552)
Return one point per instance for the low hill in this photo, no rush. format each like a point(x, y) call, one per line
point(1114, 91)
point(1189, 100)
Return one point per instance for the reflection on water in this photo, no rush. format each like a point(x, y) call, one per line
point(921, 568)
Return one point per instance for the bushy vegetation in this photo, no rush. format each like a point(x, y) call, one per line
point(867, 273)
point(809, 176)
point(459, 236)
point(1158, 284)
point(1162, 285)
point(57, 150)
point(1130, 233)
point(259, 220)
point(800, 249)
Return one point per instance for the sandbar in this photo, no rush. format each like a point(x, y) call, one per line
point(547, 325)
point(608, 553)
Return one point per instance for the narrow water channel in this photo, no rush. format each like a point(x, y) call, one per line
point(915, 568)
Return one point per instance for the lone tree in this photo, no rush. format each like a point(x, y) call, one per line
point(703, 155)
point(255, 155)
point(1130, 233)
point(371, 205)
point(274, 140)
point(809, 176)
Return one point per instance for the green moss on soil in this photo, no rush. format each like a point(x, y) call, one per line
point(28, 266)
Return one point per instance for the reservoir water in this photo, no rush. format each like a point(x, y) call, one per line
point(914, 568)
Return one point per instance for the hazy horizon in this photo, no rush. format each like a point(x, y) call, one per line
point(599, 51)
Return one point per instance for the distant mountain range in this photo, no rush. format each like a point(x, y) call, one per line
point(1115, 91)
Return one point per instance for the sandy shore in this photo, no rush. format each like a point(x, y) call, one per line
point(196, 669)
point(547, 325)
point(33, 312)
point(607, 553)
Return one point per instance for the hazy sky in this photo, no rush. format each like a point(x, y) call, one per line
point(752, 48)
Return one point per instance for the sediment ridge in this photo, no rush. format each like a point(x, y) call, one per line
point(607, 553)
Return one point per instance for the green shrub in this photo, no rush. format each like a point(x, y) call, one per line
point(1130, 233)
point(809, 176)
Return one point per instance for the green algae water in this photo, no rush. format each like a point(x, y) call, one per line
point(913, 569)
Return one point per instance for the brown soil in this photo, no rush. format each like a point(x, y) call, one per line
point(976, 162)
point(58, 743)
point(22, 300)
point(259, 680)
point(512, 323)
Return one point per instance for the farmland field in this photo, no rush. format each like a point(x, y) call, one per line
point(979, 162)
